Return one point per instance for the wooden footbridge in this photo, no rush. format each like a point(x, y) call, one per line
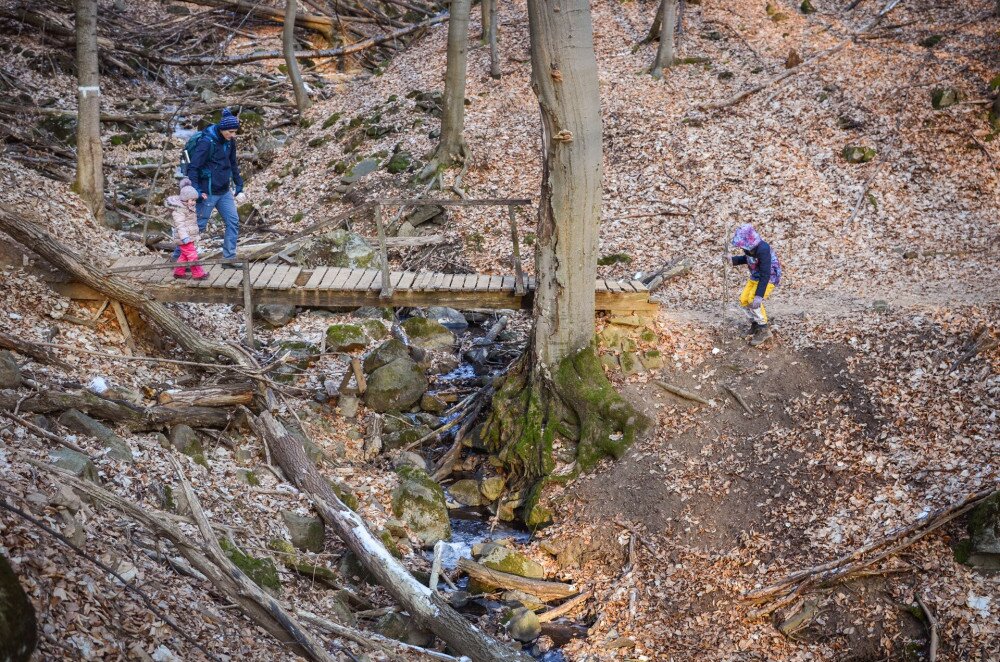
point(271, 282)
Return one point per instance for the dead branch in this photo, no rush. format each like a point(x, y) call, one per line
point(739, 399)
point(543, 590)
point(787, 589)
point(31, 350)
point(565, 607)
point(221, 395)
point(205, 60)
point(681, 393)
point(371, 640)
point(932, 626)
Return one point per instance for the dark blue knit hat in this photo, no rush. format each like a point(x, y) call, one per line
point(229, 122)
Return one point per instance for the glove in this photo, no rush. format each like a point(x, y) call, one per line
point(755, 304)
point(241, 197)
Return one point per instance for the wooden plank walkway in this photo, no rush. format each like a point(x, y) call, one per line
point(340, 287)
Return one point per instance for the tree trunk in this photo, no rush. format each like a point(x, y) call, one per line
point(486, 11)
point(89, 158)
point(665, 53)
point(18, 626)
point(425, 605)
point(452, 148)
point(28, 234)
point(494, 52)
point(559, 389)
point(654, 29)
point(288, 48)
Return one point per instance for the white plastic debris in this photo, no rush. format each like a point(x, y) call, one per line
point(979, 603)
point(164, 654)
point(98, 385)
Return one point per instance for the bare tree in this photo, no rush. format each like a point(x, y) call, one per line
point(665, 52)
point(89, 157)
point(494, 53)
point(452, 148)
point(486, 10)
point(288, 48)
point(558, 390)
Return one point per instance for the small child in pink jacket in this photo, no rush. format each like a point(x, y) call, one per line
point(185, 222)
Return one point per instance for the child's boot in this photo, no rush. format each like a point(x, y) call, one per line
point(761, 335)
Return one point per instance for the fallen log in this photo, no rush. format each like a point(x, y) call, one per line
point(29, 234)
point(426, 606)
point(256, 56)
point(322, 24)
point(31, 350)
point(681, 393)
point(222, 581)
point(565, 608)
point(220, 395)
point(543, 590)
point(116, 411)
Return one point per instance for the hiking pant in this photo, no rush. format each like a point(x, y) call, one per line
point(188, 253)
point(746, 298)
point(226, 205)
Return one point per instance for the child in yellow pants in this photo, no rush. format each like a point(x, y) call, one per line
point(765, 275)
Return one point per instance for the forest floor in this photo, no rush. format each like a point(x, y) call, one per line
point(861, 422)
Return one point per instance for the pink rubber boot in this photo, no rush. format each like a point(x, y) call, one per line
point(197, 272)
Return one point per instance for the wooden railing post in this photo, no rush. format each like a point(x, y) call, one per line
point(384, 253)
point(519, 288)
point(248, 302)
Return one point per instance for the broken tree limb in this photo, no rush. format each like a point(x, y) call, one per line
point(29, 234)
point(932, 627)
point(220, 395)
point(428, 608)
point(42, 432)
point(787, 589)
point(564, 608)
point(322, 24)
point(221, 581)
point(31, 350)
point(303, 638)
point(541, 589)
point(673, 269)
point(116, 411)
point(739, 399)
point(256, 56)
point(681, 393)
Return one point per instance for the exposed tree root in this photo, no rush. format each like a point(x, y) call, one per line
point(575, 403)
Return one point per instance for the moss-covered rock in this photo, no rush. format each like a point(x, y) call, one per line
point(403, 628)
point(384, 354)
point(375, 329)
point(807, 7)
point(533, 513)
point(428, 334)
point(187, 441)
point(984, 526)
point(399, 162)
point(344, 493)
point(858, 154)
point(491, 487)
point(512, 562)
point(299, 353)
point(466, 492)
point(79, 422)
point(247, 477)
point(943, 97)
point(523, 625)
point(307, 532)
point(332, 119)
point(345, 338)
point(261, 571)
point(614, 258)
point(18, 627)
point(419, 502)
point(395, 386)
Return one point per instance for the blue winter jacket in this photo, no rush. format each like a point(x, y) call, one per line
point(763, 264)
point(213, 165)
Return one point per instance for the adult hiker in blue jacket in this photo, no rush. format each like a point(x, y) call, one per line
point(765, 275)
point(214, 172)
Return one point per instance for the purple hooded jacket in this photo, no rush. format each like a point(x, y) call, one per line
point(759, 257)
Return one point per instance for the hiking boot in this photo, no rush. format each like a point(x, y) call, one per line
point(201, 277)
point(753, 328)
point(232, 265)
point(761, 335)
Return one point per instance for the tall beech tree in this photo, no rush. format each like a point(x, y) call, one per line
point(558, 390)
point(89, 157)
point(302, 101)
point(451, 149)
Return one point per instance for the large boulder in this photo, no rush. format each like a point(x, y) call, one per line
point(428, 334)
point(306, 532)
point(275, 315)
point(384, 354)
point(395, 386)
point(338, 248)
point(18, 627)
point(447, 317)
point(984, 533)
point(524, 625)
point(187, 441)
point(403, 628)
point(79, 422)
point(10, 374)
point(419, 502)
point(466, 492)
point(512, 562)
point(345, 338)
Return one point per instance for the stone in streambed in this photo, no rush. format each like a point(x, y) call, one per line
point(524, 625)
point(419, 502)
point(396, 386)
point(512, 562)
point(466, 492)
point(345, 338)
point(428, 334)
point(384, 354)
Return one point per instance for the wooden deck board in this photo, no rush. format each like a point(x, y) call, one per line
point(316, 278)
